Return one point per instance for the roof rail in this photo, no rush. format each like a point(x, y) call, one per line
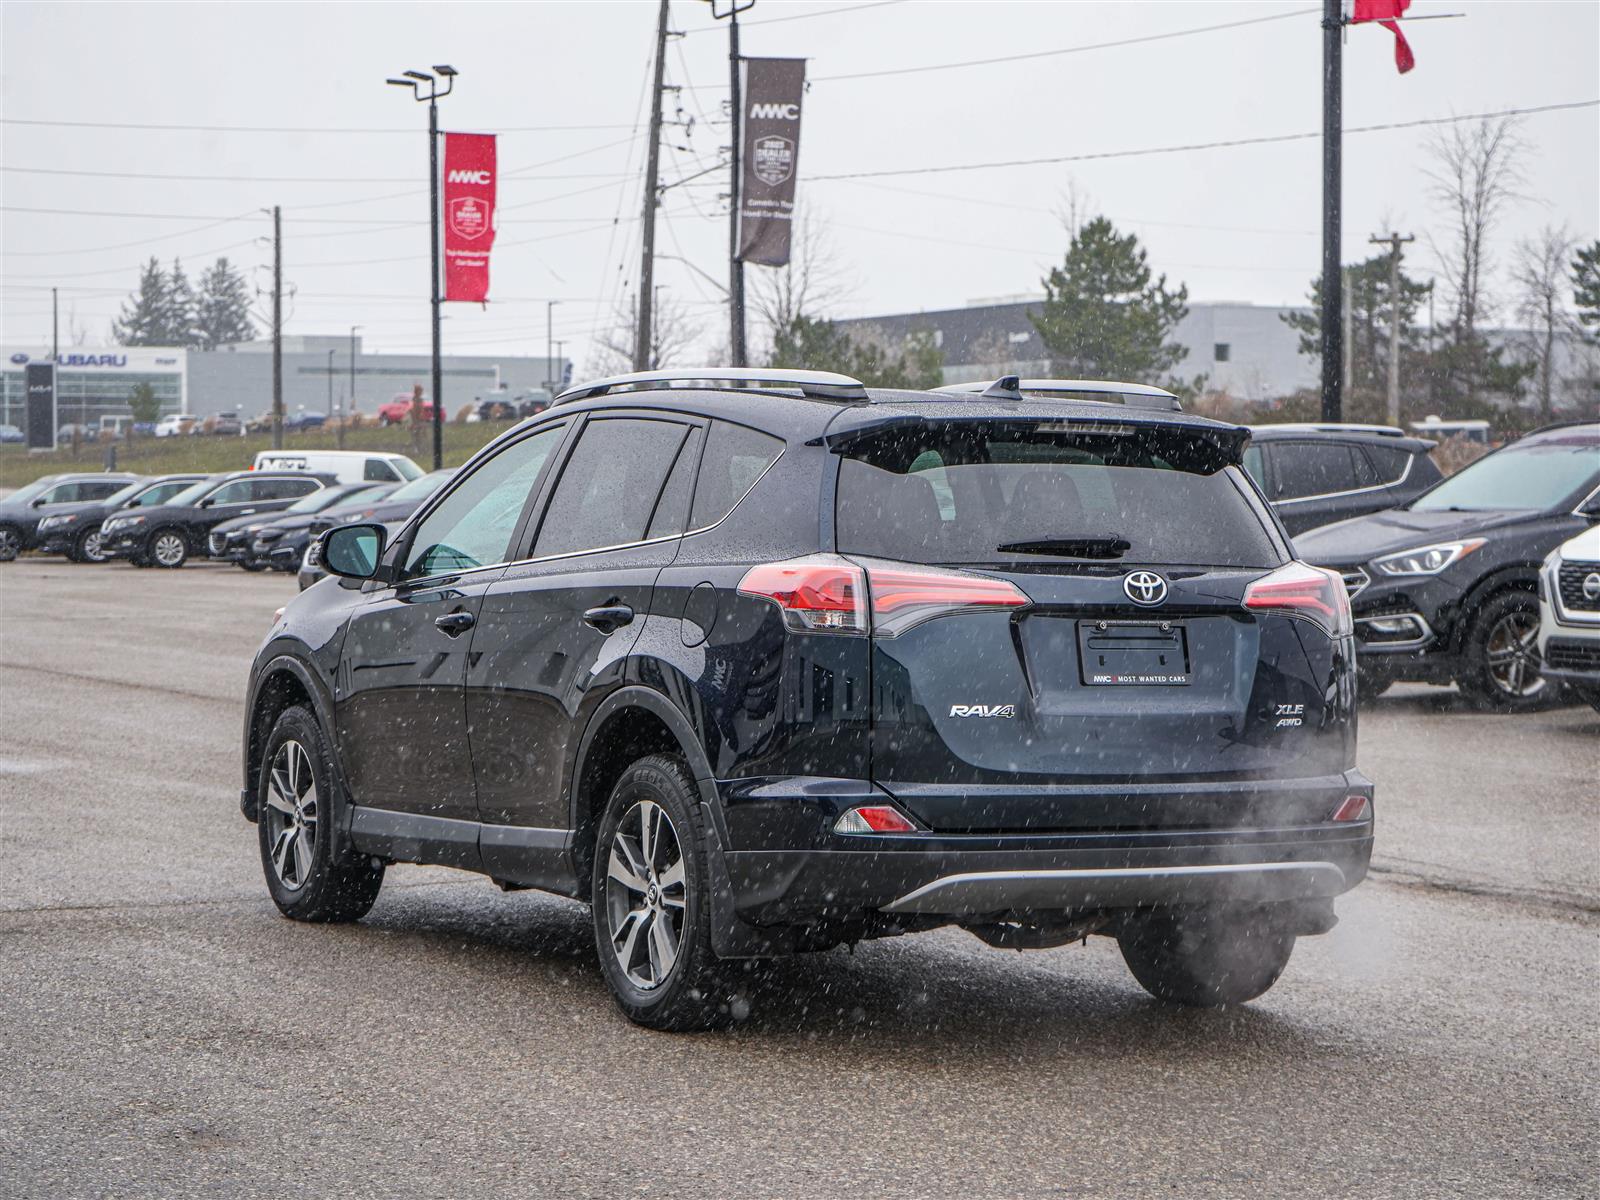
point(813, 385)
point(1337, 427)
point(1131, 395)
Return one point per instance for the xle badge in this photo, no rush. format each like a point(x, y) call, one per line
point(983, 710)
point(1291, 716)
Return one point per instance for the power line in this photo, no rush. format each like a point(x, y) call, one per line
point(830, 12)
point(1218, 145)
point(1012, 58)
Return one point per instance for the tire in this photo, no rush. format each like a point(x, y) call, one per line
point(10, 543)
point(252, 565)
point(87, 548)
point(296, 815)
point(138, 560)
point(1207, 958)
point(1501, 651)
point(167, 548)
point(657, 901)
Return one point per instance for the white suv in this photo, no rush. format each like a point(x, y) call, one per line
point(1569, 614)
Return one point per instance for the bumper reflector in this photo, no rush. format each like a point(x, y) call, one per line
point(878, 818)
point(1353, 808)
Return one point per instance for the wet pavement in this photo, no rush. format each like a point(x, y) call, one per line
point(168, 1034)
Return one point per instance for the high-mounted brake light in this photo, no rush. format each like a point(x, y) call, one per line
point(1303, 591)
point(875, 818)
point(825, 593)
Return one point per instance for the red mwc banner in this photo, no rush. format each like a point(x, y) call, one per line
point(468, 214)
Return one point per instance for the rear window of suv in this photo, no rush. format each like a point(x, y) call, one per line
point(1014, 491)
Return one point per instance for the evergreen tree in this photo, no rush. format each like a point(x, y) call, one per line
point(1103, 317)
point(222, 309)
point(1586, 284)
point(144, 403)
point(813, 344)
point(143, 321)
point(1371, 312)
point(180, 309)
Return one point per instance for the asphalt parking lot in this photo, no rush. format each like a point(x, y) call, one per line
point(168, 1034)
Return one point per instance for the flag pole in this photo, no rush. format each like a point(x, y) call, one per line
point(1332, 323)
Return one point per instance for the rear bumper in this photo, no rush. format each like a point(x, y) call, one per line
point(827, 876)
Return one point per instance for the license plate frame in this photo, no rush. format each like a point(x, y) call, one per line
point(1134, 654)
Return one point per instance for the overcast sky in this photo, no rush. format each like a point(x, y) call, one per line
point(565, 85)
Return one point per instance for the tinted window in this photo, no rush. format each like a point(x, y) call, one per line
point(1390, 462)
point(734, 459)
point(959, 493)
point(236, 492)
point(1366, 473)
point(162, 492)
point(672, 510)
point(99, 489)
point(610, 485)
point(473, 525)
point(1255, 467)
point(1310, 469)
point(284, 489)
point(378, 471)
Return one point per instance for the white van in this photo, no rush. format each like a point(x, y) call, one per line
point(348, 466)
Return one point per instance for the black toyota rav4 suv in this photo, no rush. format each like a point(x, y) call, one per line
point(765, 662)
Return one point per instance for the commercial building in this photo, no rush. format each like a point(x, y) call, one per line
point(1246, 350)
point(319, 374)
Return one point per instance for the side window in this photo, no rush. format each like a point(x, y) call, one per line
point(1365, 474)
point(162, 492)
point(284, 489)
point(735, 458)
point(99, 489)
point(672, 509)
point(1255, 467)
point(236, 492)
point(378, 471)
point(610, 485)
point(60, 494)
point(1390, 461)
point(472, 526)
point(1311, 469)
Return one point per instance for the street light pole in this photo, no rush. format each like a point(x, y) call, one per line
point(550, 379)
point(331, 353)
point(353, 329)
point(415, 81)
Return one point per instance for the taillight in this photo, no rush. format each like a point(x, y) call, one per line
point(1298, 590)
point(828, 593)
point(874, 818)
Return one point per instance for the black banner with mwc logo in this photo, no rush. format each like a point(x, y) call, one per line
point(774, 88)
point(467, 210)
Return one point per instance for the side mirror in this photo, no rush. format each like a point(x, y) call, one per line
point(134, 503)
point(1591, 508)
point(353, 551)
point(36, 502)
point(206, 503)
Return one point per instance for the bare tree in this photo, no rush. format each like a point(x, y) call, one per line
point(674, 331)
point(1476, 172)
point(812, 283)
point(1541, 277)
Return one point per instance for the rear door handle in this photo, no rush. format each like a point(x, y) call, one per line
point(608, 618)
point(455, 623)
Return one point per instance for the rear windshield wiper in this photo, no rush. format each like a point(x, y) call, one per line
point(1101, 547)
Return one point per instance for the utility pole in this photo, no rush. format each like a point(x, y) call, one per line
point(736, 344)
point(353, 329)
point(55, 327)
point(277, 328)
point(559, 372)
point(1332, 326)
point(1346, 373)
point(1394, 241)
point(652, 174)
point(415, 80)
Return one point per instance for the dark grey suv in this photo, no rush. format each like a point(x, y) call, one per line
point(758, 663)
point(1314, 475)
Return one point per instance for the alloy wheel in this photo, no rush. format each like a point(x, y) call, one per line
point(1512, 651)
point(646, 895)
point(291, 814)
point(168, 550)
point(93, 549)
point(10, 544)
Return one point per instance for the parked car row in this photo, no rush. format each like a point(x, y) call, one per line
point(257, 518)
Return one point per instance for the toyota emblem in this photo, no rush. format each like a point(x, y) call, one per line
point(1145, 587)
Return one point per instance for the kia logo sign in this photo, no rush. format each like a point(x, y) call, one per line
point(1145, 588)
point(19, 359)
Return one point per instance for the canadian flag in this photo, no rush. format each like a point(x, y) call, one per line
point(1384, 13)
